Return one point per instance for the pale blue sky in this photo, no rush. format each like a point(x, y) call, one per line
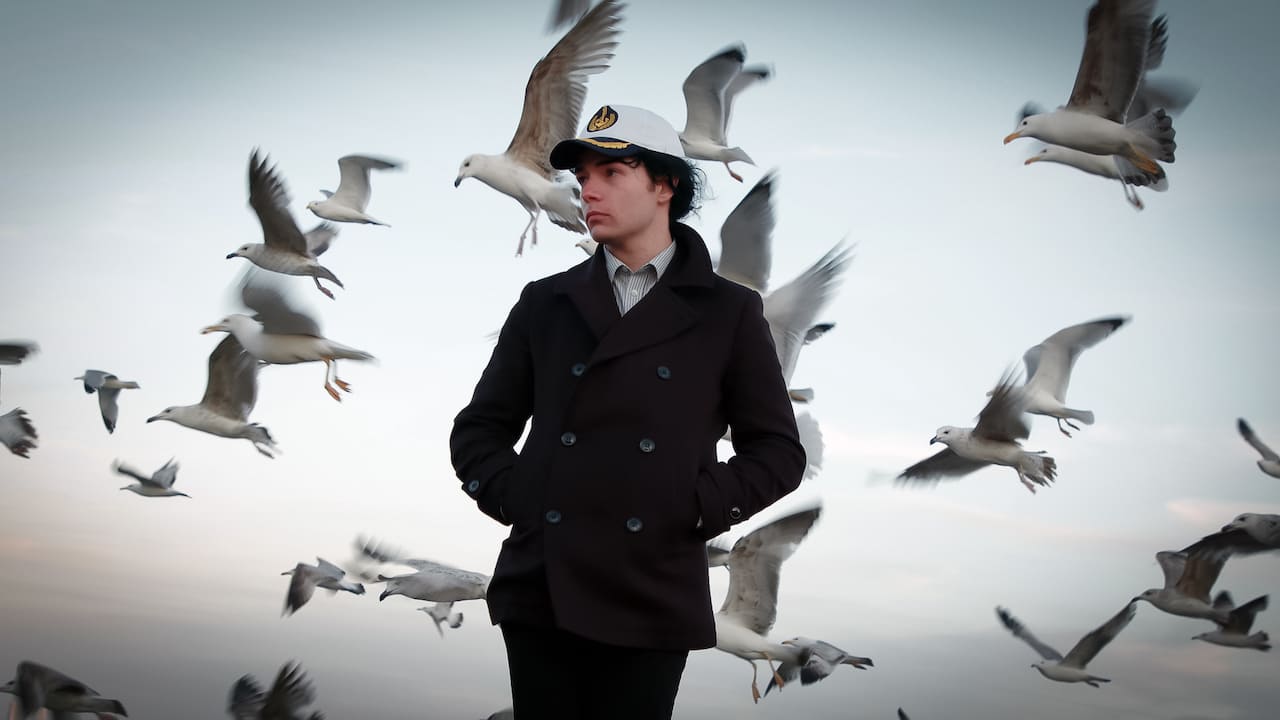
point(127, 129)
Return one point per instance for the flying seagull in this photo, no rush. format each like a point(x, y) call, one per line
point(13, 352)
point(817, 659)
point(108, 387)
point(229, 397)
point(349, 202)
point(1049, 366)
point(431, 581)
point(441, 612)
point(39, 687)
point(994, 440)
point(17, 433)
point(158, 484)
point(1095, 119)
point(287, 700)
point(709, 91)
point(1235, 633)
point(1187, 583)
point(1270, 462)
point(279, 334)
point(553, 100)
point(1247, 534)
point(306, 578)
point(284, 247)
point(1071, 668)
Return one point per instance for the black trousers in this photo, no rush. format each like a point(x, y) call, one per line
point(561, 676)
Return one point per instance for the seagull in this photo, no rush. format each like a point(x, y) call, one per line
point(993, 441)
point(284, 247)
point(1095, 119)
point(39, 687)
point(902, 715)
point(349, 203)
point(229, 397)
point(281, 335)
point(552, 105)
point(432, 581)
point(817, 660)
point(709, 92)
point(17, 433)
point(751, 604)
point(440, 613)
point(1049, 366)
point(108, 387)
point(13, 352)
point(1071, 668)
point(1235, 633)
point(289, 695)
point(1270, 462)
point(746, 237)
point(811, 441)
point(306, 578)
point(1247, 534)
point(1187, 582)
point(158, 484)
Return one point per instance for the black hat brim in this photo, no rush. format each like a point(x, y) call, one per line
point(564, 156)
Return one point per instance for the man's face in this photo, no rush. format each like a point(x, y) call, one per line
point(620, 201)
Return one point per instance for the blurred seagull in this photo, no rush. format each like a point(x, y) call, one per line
point(108, 387)
point(811, 441)
point(290, 694)
point(13, 352)
point(751, 603)
point(1187, 583)
point(1071, 669)
point(229, 397)
point(553, 101)
point(1248, 534)
point(1096, 117)
point(1235, 633)
point(817, 660)
point(39, 687)
point(993, 441)
point(1049, 366)
point(1270, 462)
point(158, 484)
point(709, 92)
point(17, 433)
point(278, 334)
point(349, 202)
point(306, 578)
point(440, 613)
point(284, 248)
point(433, 581)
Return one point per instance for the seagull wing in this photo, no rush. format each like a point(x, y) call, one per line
point(289, 694)
point(1236, 541)
point(793, 308)
point(1172, 564)
point(165, 476)
point(271, 308)
point(320, 237)
point(1240, 620)
point(746, 238)
point(1090, 645)
point(353, 187)
point(811, 440)
point(232, 389)
point(246, 699)
point(1049, 364)
point(1172, 94)
point(1247, 433)
point(754, 567)
point(93, 379)
point(107, 404)
point(324, 567)
point(1002, 418)
point(127, 471)
point(1022, 633)
point(706, 107)
point(14, 352)
point(1115, 51)
point(557, 86)
point(939, 466)
point(270, 200)
point(17, 432)
point(743, 80)
point(302, 585)
point(1199, 575)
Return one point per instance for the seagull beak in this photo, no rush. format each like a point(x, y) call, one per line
point(457, 181)
point(383, 596)
point(1228, 528)
point(934, 439)
point(231, 256)
point(1011, 137)
point(212, 328)
point(1028, 161)
point(153, 417)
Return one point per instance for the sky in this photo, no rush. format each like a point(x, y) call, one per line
point(127, 130)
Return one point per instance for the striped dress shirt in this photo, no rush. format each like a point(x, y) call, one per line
point(630, 287)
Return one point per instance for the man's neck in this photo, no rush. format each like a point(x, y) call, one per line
point(639, 249)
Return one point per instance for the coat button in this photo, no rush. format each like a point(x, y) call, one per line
point(664, 372)
point(578, 369)
point(568, 439)
point(634, 524)
point(735, 513)
point(473, 486)
point(553, 516)
point(647, 445)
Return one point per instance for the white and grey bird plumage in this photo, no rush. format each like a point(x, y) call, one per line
point(817, 660)
point(994, 440)
point(431, 581)
point(284, 248)
point(287, 699)
point(17, 433)
point(1071, 668)
point(39, 687)
point(229, 396)
point(108, 387)
point(306, 578)
point(1235, 632)
point(811, 440)
point(157, 484)
point(441, 614)
point(351, 200)
point(1270, 462)
point(1188, 580)
point(553, 101)
point(1247, 534)
point(1049, 367)
point(709, 92)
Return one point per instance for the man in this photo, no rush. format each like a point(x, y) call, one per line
point(630, 365)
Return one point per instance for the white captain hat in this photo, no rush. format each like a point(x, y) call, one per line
point(619, 131)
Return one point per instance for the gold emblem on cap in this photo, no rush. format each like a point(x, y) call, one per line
point(604, 118)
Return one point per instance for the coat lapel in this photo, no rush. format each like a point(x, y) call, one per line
point(661, 315)
point(588, 287)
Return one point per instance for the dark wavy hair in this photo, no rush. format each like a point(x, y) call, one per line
point(686, 180)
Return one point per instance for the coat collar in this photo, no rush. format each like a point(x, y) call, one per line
point(660, 315)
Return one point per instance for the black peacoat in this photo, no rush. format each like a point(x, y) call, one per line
point(617, 486)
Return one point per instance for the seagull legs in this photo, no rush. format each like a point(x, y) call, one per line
point(1131, 194)
point(1070, 424)
point(532, 225)
point(331, 369)
point(732, 174)
point(1027, 483)
point(322, 288)
point(776, 677)
point(755, 689)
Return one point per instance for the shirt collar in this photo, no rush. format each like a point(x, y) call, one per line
point(658, 262)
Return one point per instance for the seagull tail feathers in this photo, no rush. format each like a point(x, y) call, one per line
point(1041, 469)
point(1084, 416)
point(1131, 175)
point(1157, 130)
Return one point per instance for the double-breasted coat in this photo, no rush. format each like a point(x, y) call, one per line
point(617, 486)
